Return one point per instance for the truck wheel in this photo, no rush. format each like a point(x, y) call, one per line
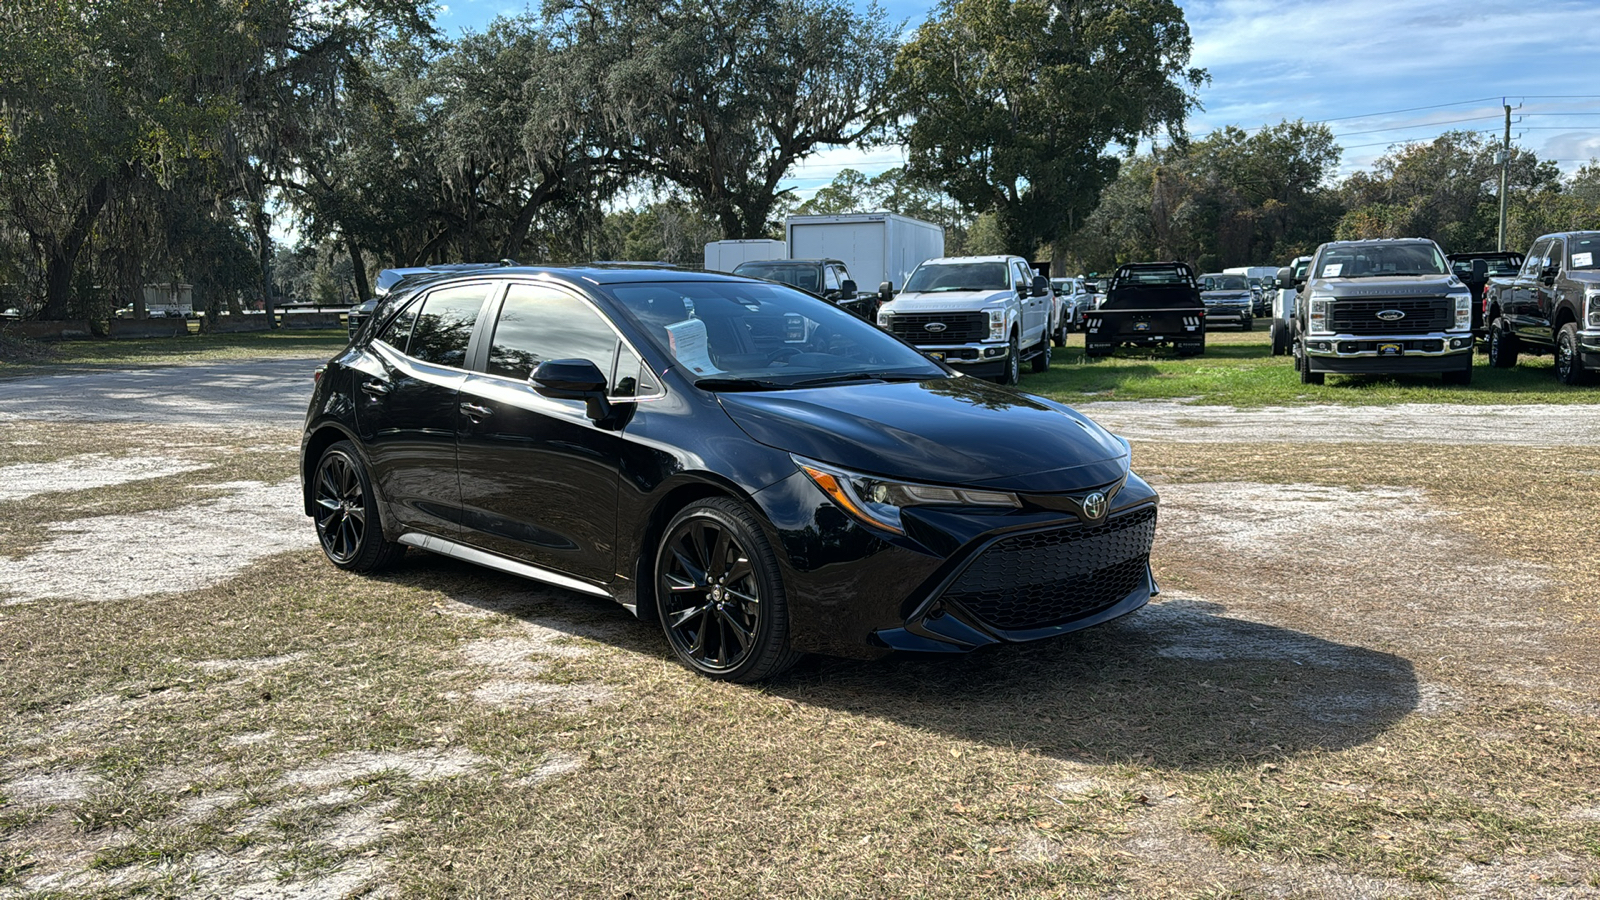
point(1249, 324)
point(1569, 364)
point(1280, 337)
point(1041, 358)
point(1464, 376)
point(1060, 337)
point(1013, 372)
point(1502, 347)
point(1306, 375)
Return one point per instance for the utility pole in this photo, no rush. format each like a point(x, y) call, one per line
point(1505, 163)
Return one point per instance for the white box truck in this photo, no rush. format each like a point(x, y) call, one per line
point(875, 247)
point(724, 256)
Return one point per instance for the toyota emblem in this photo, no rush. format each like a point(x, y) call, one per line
point(1094, 506)
point(1392, 315)
point(935, 327)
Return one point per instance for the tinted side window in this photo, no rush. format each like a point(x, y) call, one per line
point(398, 331)
point(539, 323)
point(444, 326)
point(1535, 260)
point(830, 278)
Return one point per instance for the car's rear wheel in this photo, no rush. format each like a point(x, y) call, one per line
point(1280, 337)
point(1041, 358)
point(1569, 365)
point(722, 603)
point(346, 513)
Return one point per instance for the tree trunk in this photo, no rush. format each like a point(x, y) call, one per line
point(263, 229)
point(363, 288)
point(64, 254)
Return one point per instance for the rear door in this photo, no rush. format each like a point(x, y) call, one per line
point(539, 479)
point(1517, 304)
point(406, 405)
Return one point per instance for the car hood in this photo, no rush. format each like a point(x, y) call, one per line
point(943, 431)
point(1394, 286)
point(942, 301)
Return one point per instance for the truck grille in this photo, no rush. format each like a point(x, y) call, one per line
point(1423, 314)
point(959, 327)
point(1051, 577)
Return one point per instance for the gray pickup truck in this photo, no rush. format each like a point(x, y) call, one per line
point(1380, 307)
point(1552, 305)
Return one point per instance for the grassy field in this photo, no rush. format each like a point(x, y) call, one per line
point(1238, 369)
point(19, 358)
point(1413, 716)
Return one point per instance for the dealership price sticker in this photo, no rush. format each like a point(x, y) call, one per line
point(1582, 260)
point(688, 339)
point(1332, 270)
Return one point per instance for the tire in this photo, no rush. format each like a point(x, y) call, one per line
point(722, 604)
point(1013, 372)
point(1303, 363)
point(1041, 359)
point(346, 513)
point(1502, 347)
point(1463, 376)
point(1280, 337)
point(1249, 324)
point(1569, 359)
point(1060, 337)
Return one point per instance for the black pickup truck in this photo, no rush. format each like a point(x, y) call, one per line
point(1551, 305)
point(1148, 305)
point(1496, 264)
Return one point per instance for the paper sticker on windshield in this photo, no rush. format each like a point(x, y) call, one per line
point(1582, 260)
point(688, 340)
point(1332, 270)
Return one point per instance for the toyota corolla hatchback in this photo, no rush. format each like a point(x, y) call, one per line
point(760, 472)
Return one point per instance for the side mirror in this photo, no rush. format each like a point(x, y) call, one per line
point(847, 290)
point(1041, 286)
point(1285, 279)
point(885, 291)
point(573, 379)
point(1480, 269)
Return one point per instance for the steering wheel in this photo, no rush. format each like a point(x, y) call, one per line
point(782, 353)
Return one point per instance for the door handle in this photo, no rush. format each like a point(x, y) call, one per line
point(475, 412)
point(375, 388)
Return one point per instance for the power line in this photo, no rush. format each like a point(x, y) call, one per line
point(1414, 140)
point(1418, 125)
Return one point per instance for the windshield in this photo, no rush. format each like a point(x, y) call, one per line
point(806, 278)
point(985, 276)
point(753, 336)
point(1224, 283)
point(1583, 252)
point(1381, 261)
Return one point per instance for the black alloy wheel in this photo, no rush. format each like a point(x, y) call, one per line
point(1041, 358)
point(1569, 365)
point(348, 527)
point(722, 605)
point(1502, 347)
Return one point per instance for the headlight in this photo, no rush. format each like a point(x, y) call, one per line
point(1321, 310)
point(997, 324)
point(877, 501)
point(1463, 300)
point(1591, 299)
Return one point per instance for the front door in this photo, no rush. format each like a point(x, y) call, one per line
point(539, 480)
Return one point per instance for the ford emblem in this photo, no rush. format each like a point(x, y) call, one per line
point(1392, 315)
point(1094, 506)
point(935, 327)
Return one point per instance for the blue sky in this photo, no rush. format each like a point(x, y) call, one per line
point(1379, 72)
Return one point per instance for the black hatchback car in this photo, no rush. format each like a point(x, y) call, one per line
point(757, 470)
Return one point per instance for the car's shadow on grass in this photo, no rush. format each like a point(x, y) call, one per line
point(1174, 685)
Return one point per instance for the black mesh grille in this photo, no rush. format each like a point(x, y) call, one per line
point(959, 327)
point(1421, 315)
point(1050, 577)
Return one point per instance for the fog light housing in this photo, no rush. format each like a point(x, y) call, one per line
point(1458, 343)
point(991, 352)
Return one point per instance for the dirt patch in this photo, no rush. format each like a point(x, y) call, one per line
point(1420, 423)
point(179, 549)
point(257, 664)
point(52, 787)
point(85, 472)
point(422, 765)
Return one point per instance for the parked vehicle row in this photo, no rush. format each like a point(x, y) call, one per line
point(757, 471)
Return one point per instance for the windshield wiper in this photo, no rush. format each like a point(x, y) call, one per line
point(847, 377)
point(738, 384)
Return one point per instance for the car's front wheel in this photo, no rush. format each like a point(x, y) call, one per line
point(721, 601)
point(1013, 372)
point(1569, 364)
point(346, 511)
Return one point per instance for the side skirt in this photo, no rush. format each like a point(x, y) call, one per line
point(509, 566)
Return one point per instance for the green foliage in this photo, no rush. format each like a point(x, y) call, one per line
point(1012, 105)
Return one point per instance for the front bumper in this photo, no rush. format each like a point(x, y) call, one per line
point(1589, 347)
point(980, 360)
point(1227, 315)
point(958, 579)
point(1387, 354)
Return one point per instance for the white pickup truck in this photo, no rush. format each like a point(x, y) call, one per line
point(983, 315)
